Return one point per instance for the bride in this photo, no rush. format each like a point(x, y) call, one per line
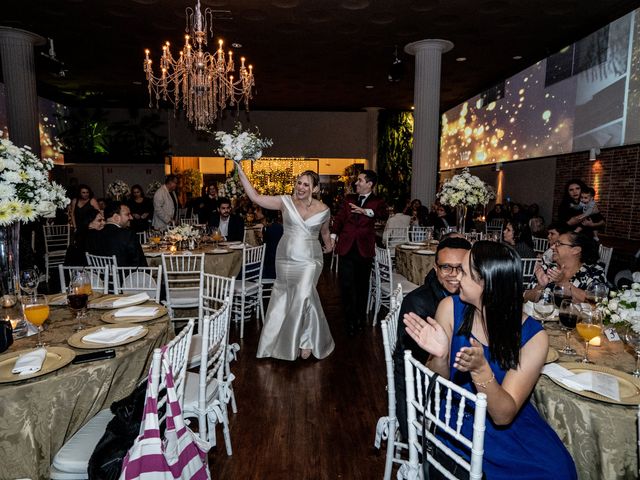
point(295, 324)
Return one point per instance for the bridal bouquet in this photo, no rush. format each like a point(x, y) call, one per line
point(241, 144)
point(465, 189)
point(622, 308)
point(26, 192)
point(118, 190)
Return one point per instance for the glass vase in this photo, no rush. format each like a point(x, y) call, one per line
point(461, 215)
point(9, 263)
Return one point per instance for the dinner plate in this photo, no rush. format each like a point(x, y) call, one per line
point(110, 317)
point(226, 244)
point(57, 357)
point(240, 246)
point(105, 302)
point(426, 252)
point(552, 355)
point(218, 251)
point(417, 243)
point(57, 299)
point(76, 341)
point(409, 247)
point(628, 384)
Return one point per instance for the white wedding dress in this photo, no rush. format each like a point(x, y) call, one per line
point(295, 319)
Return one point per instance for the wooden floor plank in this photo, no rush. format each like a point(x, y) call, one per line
point(308, 419)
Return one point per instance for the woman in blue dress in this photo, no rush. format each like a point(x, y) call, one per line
point(481, 341)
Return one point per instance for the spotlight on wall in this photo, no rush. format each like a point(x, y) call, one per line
point(593, 154)
point(497, 166)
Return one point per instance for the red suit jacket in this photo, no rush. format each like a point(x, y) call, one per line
point(359, 229)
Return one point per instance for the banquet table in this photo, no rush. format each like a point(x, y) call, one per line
point(38, 415)
point(226, 264)
point(253, 235)
point(601, 437)
point(415, 266)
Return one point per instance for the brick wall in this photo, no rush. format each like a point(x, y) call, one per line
point(616, 177)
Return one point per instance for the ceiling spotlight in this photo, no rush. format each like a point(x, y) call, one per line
point(369, 87)
point(461, 59)
point(396, 70)
point(236, 45)
point(517, 57)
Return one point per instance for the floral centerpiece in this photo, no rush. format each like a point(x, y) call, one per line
point(622, 308)
point(183, 233)
point(152, 188)
point(462, 191)
point(231, 188)
point(26, 193)
point(118, 190)
point(241, 144)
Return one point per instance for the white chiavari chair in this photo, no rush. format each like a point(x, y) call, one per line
point(104, 261)
point(143, 237)
point(193, 221)
point(182, 275)
point(391, 237)
point(99, 277)
point(385, 278)
point(528, 267)
point(139, 280)
point(248, 289)
point(56, 241)
point(449, 408)
point(605, 257)
point(540, 245)
point(420, 234)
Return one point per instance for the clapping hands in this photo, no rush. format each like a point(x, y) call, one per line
point(428, 334)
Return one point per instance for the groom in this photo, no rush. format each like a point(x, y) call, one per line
point(354, 226)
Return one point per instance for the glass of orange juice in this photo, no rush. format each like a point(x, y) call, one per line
point(36, 310)
point(588, 327)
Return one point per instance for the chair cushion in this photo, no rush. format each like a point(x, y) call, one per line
point(249, 287)
point(195, 350)
point(191, 387)
point(74, 455)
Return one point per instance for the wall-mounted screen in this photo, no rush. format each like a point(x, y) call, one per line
point(579, 98)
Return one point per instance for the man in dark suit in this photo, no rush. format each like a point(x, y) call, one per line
point(439, 283)
point(354, 226)
point(117, 239)
point(231, 226)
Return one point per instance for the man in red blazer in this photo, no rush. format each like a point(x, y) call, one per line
point(354, 226)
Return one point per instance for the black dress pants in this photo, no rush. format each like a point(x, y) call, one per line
point(354, 276)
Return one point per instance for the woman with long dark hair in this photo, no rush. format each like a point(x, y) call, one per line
point(570, 210)
point(518, 236)
point(81, 207)
point(141, 209)
point(481, 341)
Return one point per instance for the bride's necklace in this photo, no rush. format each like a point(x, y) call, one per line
point(306, 206)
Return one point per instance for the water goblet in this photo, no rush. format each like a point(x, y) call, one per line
point(632, 338)
point(544, 307)
point(589, 326)
point(29, 280)
point(36, 311)
point(568, 315)
point(595, 293)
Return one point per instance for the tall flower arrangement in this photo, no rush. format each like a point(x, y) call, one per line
point(26, 192)
point(118, 190)
point(241, 144)
point(464, 189)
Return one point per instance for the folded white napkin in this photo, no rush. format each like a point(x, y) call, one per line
point(598, 382)
point(136, 312)
point(31, 362)
point(130, 299)
point(109, 336)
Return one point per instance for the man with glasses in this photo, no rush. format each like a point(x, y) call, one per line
point(439, 283)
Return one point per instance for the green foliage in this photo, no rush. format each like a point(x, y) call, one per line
point(189, 182)
point(395, 146)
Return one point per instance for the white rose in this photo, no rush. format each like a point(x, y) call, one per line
point(615, 318)
point(613, 304)
point(46, 209)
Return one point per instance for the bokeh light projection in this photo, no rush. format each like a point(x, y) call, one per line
point(586, 108)
point(50, 112)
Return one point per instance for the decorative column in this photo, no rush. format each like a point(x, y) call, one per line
point(426, 127)
point(372, 138)
point(18, 68)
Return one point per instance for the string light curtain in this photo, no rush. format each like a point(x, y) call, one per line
point(201, 83)
point(275, 176)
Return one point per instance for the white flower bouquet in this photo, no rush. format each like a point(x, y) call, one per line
point(117, 190)
point(465, 189)
point(152, 188)
point(241, 144)
point(183, 232)
point(231, 188)
point(622, 308)
point(26, 192)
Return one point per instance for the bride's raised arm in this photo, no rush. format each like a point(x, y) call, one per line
point(265, 201)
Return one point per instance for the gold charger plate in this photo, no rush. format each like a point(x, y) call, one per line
point(628, 384)
point(105, 302)
point(110, 318)
point(57, 299)
point(552, 355)
point(409, 247)
point(57, 357)
point(76, 341)
point(219, 251)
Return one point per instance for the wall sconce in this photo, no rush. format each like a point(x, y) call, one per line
point(593, 154)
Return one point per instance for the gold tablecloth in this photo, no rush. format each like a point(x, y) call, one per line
point(253, 235)
point(601, 437)
point(414, 266)
point(37, 416)
point(224, 264)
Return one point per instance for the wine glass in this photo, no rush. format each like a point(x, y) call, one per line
point(595, 293)
point(631, 337)
point(36, 310)
point(589, 326)
point(544, 307)
point(78, 295)
point(29, 280)
point(216, 236)
point(154, 238)
point(561, 291)
point(568, 315)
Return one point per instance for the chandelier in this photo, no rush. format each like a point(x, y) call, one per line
point(202, 82)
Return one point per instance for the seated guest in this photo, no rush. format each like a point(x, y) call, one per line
point(141, 209)
point(231, 226)
point(553, 233)
point(498, 212)
point(575, 258)
point(518, 236)
point(116, 238)
point(443, 219)
point(537, 227)
point(271, 235)
point(207, 204)
point(439, 283)
point(398, 219)
point(481, 341)
point(518, 214)
point(75, 255)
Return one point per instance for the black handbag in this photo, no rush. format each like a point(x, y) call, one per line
point(6, 335)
